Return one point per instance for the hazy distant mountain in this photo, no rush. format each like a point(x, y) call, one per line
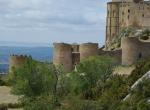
point(38, 53)
point(24, 44)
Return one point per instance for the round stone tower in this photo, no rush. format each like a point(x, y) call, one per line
point(112, 25)
point(63, 56)
point(88, 49)
point(16, 61)
point(130, 50)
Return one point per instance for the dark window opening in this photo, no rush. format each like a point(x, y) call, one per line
point(128, 17)
point(140, 55)
point(143, 15)
point(128, 11)
point(113, 13)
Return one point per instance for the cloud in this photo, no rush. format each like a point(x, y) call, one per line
point(51, 12)
point(71, 15)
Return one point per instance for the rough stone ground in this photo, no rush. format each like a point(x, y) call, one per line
point(6, 97)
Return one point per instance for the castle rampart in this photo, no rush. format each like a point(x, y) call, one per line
point(116, 54)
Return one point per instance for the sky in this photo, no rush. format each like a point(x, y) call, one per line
point(48, 21)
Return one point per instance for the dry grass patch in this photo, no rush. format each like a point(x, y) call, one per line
point(6, 96)
point(123, 70)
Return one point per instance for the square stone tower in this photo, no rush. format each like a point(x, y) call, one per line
point(126, 13)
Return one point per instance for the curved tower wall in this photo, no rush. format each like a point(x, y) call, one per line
point(88, 49)
point(133, 50)
point(16, 61)
point(63, 56)
point(130, 50)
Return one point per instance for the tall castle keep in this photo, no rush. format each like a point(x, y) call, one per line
point(126, 13)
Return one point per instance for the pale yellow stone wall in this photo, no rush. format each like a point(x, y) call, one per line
point(126, 13)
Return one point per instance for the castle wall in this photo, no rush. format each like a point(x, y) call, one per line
point(75, 58)
point(63, 56)
point(88, 49)
point(129, 13)
point(134, 50)
point(116, 54)
point(16, 61)
point(75, 47)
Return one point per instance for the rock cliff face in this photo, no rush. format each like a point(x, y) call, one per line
point(146, 76)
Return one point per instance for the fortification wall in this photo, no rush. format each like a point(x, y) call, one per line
point(117, 54)
point(63, 56)
point(88, 49)
point(75, 58)
point(16, 61)
point(133, 50)
point(75, 47)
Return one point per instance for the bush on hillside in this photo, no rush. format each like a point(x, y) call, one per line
point(145, 34)
point(36, 82)
point(89, 73)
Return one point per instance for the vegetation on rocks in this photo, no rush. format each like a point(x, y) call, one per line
point(129, 32)
point(91, 87)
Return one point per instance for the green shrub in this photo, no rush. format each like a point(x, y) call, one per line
point(15, 105)
point(89, 73)
point(3, 107)
point(145, 34)
point(144, 37)
point(38, 103)
point(78, 104)
point(36, 82)
point(2, 81)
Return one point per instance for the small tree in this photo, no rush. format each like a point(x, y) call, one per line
point(89, 73)
point(37, 83)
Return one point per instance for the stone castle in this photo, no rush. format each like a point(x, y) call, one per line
point(126, 13)
point(120, 14)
